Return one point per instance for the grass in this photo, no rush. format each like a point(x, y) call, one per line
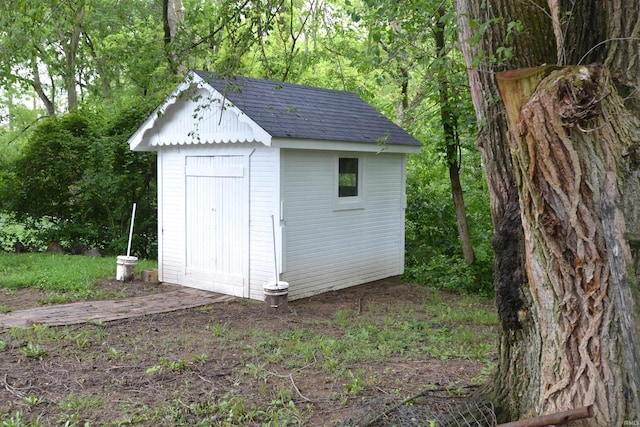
point(346, 349)
point(72, 274)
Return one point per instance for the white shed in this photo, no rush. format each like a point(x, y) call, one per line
point(235, 153)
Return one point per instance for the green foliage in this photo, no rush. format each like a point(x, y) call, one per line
point(77, 173)
point(80, 403)
point(72, 178)
point(17, 420)
point(34, 351)
point(12, 231)
point(175, 366)
point(433, 254)
point(229, 410)
point(424, 84)
point(49, 166)
point(356, 384)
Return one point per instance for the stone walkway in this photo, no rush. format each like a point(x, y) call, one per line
point(108, 310)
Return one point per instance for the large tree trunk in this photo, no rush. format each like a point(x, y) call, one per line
point(514, 385)
point(568, 141)
point(569, 311)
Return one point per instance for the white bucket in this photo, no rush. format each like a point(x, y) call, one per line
point(276, 297)
point(126, 268)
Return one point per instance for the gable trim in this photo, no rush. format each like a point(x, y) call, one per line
point(149, 137)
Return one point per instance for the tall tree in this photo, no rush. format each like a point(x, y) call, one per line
point(422, 66)
point(563, 174)
point(70, 41)
point(24, 44)
point(62, 51)
point(452, 146)
point(172, 19)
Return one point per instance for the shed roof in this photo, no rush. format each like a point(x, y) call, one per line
point(255, 110)
point(287, 110)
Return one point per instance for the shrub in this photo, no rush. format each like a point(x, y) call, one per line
point(77, 173)
point(433, 252)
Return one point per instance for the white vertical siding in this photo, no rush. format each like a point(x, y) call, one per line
point(264, 195)
point(199, 118)
point(171, 216)
point(206, 247)
point(216, 221)
point(319, 248)
point(332, 249)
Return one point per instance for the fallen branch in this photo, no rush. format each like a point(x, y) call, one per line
point(12, 389)
point(298, 391)
point(558, 418)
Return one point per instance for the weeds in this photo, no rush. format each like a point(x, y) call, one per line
point(82, 343)
point(115, 354)
point(34, 351)
point(230, 410)
point(256, 371)
point(218, 329)
point(16, 420)
point(176, 366)
point(32, 400)
point(280, 363)
point(200, 358)
point(356, 384)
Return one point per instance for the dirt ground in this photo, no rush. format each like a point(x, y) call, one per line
point(112, 374)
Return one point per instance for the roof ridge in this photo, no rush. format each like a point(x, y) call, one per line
point(229, 78)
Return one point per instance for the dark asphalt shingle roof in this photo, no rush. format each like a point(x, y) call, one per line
point(288, 110)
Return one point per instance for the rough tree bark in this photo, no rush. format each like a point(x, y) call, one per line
point(563, 168)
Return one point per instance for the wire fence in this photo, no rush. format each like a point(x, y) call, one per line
point(430, 408)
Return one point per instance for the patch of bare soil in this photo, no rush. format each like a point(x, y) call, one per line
point(158, 369)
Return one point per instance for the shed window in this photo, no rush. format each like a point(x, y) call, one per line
point(348, 190)
point(348, 177)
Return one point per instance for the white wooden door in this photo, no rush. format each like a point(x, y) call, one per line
point(215, 223)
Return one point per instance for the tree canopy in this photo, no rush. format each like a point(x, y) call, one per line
point(79, 76)
point(88, 61)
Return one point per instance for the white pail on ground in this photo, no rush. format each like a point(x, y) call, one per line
point(276, 297)
point(126, 268)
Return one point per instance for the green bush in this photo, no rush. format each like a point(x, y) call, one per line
point(433, 253)
point(77, 174)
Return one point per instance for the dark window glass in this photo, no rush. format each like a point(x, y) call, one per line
point(347, 177)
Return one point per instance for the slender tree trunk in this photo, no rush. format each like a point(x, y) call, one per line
point(562, 178)
point(71, 52)
point(36, 83)
point(172, 18)
point(461, 214)
point(452, 142)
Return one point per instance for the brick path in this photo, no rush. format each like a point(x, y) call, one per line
point(108, 310)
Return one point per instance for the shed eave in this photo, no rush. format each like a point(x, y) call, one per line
point(314, 144)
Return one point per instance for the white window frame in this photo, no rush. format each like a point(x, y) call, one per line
point(348, 202)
